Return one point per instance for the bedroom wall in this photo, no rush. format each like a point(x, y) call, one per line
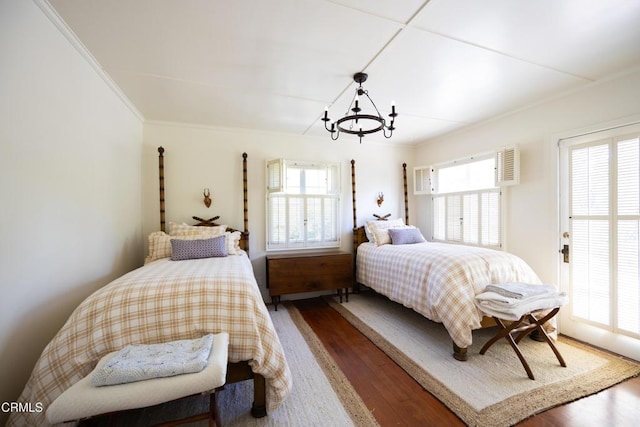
point(70, 179)
point(199, 157)
point(532, 208)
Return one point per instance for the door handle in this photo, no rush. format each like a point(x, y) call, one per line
point(565, 253)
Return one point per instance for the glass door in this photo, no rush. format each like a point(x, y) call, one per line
point(600, 239)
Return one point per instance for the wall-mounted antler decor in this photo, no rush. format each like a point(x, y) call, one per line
point(206, 222)
point(382, 218)
point(207, 197)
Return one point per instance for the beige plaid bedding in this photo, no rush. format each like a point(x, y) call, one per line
point(439, 280)
point(163, 301)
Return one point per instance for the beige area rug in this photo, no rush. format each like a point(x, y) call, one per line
point(321, 395)
point(491, 389)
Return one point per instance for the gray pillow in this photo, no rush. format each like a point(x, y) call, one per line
point(405, 236)
point(201, 248)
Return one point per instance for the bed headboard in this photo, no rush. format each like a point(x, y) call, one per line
point(244, 235)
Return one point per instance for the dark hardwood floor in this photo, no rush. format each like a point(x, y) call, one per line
point(397, 400)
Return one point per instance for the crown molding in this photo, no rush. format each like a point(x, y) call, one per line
point(68, 33)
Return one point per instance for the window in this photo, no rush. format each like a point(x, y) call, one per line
point(303, 205)
point(466, 202)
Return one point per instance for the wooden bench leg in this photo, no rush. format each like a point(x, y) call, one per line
point(542, 333)
point(505, 332)
point(214, 418)
point(520, 356)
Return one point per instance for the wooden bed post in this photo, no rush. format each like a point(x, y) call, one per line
point(406, 197)
point(356, 288)
point(161, 176)
point(246, 201)
point(353, 193)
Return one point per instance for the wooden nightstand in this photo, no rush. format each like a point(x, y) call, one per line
point(309, 272)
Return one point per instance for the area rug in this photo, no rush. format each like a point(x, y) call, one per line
point(487, 390)
point(321, 394)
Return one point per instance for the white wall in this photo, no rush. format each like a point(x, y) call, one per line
point(78, 192)
point(199, 157)
point(70, 208)
point(532, 221)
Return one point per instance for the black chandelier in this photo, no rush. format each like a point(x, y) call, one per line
point(360, 124)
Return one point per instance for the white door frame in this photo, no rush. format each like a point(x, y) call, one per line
point(580, 330)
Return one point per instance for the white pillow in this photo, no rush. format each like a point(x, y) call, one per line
point(379, 230)
point(191, 230)
point(233, 243)
point(368, 232)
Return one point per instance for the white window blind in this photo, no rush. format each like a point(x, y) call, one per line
point(303, 211)
point(628, 233)
point(469, 218)
point(466, 204)
point(604, 213)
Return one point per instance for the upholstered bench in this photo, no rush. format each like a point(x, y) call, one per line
point(83, 400)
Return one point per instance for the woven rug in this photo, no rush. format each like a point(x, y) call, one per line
point(487, 390)
point(321, 394)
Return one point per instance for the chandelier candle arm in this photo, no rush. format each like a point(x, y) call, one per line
point(364, 124)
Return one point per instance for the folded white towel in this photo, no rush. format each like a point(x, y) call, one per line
point(520, 290)
point(141, 362)
point(516, 311)
point(502, 301)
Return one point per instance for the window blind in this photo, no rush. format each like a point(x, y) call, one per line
point(605, 229)
point(628, 232)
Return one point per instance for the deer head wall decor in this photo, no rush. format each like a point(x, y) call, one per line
point(207, 198)
point(380, 198)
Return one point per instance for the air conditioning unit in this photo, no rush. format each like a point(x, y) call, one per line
point(507, 170)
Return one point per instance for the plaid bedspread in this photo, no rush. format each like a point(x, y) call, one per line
point(439, 280)
point(163, 301)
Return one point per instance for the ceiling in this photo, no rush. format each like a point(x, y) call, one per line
point(274, 65)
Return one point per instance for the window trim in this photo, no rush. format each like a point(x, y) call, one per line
point(277, 187)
